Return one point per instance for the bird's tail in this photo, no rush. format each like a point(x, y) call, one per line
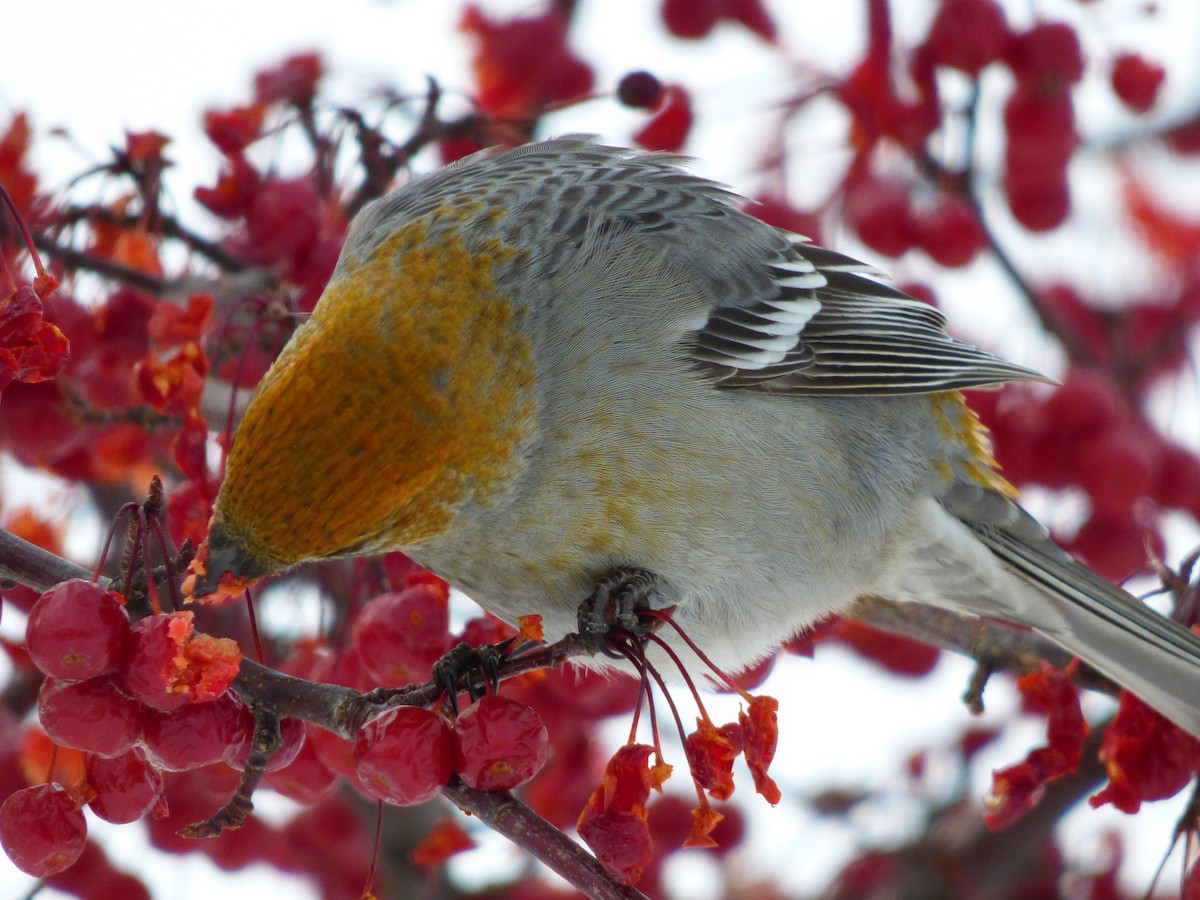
point(1147, 653)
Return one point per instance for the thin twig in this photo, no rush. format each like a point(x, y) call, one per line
point(77, 259)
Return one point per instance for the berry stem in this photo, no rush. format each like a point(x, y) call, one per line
point(112, 530)
point(729, 682)
point(25, 234)
point(666, 648)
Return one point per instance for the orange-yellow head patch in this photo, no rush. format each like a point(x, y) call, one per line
point(407, 393)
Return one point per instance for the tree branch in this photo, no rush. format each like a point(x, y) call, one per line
point(77, 259)
point(504, 813)
point(994, 644)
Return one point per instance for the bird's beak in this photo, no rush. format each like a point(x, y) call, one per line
point(223, 566)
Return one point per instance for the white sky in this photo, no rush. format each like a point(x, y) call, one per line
point(98, 69)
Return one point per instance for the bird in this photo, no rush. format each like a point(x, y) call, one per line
point(566, 365)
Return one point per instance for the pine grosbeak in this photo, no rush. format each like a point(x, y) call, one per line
point(535, 369)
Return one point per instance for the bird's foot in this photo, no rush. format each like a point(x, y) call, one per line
point(617, 608)
point(473, 669)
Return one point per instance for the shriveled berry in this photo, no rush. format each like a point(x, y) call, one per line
point(195, 735)
point(77, 630)
point(405, 755)
point(640, 90)
point(90, 715)
point(127, 787)
point(499, 744)
point(42, 830)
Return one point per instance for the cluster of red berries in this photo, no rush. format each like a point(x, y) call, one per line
point(1046, 62)
point(407, 755)
point(76, 635)
point(132, 702)
point(143, 699)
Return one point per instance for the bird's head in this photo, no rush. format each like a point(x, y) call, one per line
point(406, 396)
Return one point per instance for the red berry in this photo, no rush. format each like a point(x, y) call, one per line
point(1118, 467)
point(335, 753)
point(640, 90)
point(293, 81)
point(195, 735)
point(233, 130)
point(1136, 81)
point(399, 636)
point(967, 34)
point(306, 779)
point(291, 730)
point(283, 221)
point(1115, 547)
point(1072, 314)
point(1084, 403)
point(880, 213)
point(1047, 57)
point(1040, 134)
point(231, 196)
point(151, 665)
point(753, 15)
point(691, 19)
point(127, 787)
point(1039, 205)
point(90, 715)
point(42, 830)
point(950, 232)
point(1184, 138)
point(900, 655)
point(523, 64)
point(77, 630)
point(1178, 484)
point(669, 127)
point(404, 756)
point(499, 744)
point(781, 214)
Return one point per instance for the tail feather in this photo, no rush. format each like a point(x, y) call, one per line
point(1151, 655)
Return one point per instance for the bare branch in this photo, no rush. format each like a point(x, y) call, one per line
point(994, 644)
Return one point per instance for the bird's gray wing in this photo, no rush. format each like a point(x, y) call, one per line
point(825, 325)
